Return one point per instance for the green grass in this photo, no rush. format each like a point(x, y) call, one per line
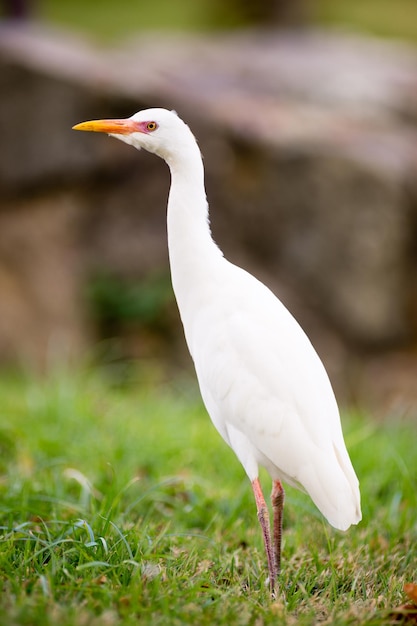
point(109, 22)
point(121, 505)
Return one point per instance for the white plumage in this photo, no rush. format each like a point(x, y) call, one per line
point(261, 380)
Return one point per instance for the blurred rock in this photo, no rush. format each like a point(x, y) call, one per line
point(310, 147)
point(42, 322)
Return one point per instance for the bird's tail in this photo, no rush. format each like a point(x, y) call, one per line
point(334, 488)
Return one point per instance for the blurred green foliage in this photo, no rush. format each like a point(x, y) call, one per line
point(109, 21)
point(115, 302)
point(384, 18)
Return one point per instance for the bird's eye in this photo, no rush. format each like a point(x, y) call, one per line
point(151, 126)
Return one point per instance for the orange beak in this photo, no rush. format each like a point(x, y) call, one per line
point(114, 127)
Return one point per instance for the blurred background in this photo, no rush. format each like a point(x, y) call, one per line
point(306, 114)
point(376, 17)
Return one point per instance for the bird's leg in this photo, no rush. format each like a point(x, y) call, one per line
point(277, 499)
point(263, 517)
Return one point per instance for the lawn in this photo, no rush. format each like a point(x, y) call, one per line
point(121, 505)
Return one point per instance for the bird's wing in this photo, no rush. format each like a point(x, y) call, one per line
point(252, 355)
point(260, 376)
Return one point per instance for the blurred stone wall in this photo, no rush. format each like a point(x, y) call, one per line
point(310, 153)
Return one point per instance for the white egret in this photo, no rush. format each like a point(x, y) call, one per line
point(262, 382)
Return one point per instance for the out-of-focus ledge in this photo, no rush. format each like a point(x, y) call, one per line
point(327, 89)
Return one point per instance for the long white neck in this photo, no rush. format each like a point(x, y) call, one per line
point(193, 254)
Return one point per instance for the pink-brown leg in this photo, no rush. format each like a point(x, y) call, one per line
point(263, 517)
point(277, 499)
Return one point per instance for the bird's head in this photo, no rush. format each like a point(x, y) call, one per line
point(156, 130)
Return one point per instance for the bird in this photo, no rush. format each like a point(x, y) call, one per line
point(262, 382)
